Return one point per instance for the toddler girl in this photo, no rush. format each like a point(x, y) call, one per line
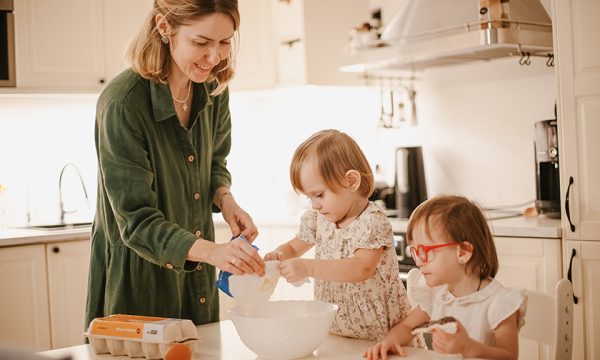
point(355, 263)
point(452, 244)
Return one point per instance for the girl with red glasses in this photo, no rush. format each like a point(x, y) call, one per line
point(452, 244)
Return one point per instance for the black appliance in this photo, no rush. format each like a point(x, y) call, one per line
point(405, 261)
point(410, 188)
point(7, 44)
point(547, 183)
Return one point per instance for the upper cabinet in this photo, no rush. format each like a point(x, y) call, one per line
point(73, 43)
point(310, 38)
point(576, 34)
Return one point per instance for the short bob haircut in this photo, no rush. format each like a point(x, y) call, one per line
point(335, 153)
point(462, 220)
point(150, 58)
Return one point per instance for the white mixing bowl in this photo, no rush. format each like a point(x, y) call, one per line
point(284, 329)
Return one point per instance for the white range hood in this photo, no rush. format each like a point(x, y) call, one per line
point(428, 33)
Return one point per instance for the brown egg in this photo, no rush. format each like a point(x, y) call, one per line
point(530, 213)
point(178, 352)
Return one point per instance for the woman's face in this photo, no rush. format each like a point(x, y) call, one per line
point(198, 47)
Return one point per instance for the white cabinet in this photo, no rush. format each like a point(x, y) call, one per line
point(68, 265)
point(255, 61)
point(585, 274)
point(73, 43)
point(44, 289)
point(310, 38)
point(24, 318)
point(577, 51)
point(534, 264)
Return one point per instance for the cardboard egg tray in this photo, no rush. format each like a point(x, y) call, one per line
point(140, 336)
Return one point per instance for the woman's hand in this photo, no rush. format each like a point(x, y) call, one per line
point(238, 257)
point(239, 221)
point(382, 348)
point(295, 269)
point(457, 343)
point(275, 255)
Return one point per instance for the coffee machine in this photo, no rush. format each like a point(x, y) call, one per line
point(410, 188)
point(547, 183)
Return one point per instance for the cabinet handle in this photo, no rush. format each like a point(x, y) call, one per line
point(56, 249)
point(290, 43)
point(102, 81)
point(567, 205)
point(570, 276)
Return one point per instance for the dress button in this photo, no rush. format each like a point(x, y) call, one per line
point(169, 266)
point(196, 196)
point(199, 267)
point(202, 300)
point(198, 233)
point(191, 158)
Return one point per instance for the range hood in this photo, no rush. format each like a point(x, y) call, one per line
point(428, 33)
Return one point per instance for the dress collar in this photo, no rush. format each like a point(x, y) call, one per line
point(330, 228)
point(162, 101)
point(444, 295)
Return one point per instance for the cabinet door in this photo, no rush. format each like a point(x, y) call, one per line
point(59, 43)
point(24, 318)
point(585, 270)
point(533, 264)
point(68, 265)
point(122, 22)
point(255, 61)
point(576, 34)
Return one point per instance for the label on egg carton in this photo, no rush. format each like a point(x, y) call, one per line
point(140, 336)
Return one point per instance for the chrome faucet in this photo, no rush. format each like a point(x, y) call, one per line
point(62, 209)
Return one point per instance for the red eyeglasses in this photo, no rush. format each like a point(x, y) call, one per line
point(422, 250)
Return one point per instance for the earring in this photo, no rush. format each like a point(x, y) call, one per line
point(164, 40)
point(461, 261)
point(351, 189)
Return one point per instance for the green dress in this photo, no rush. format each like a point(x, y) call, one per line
point(156, 182)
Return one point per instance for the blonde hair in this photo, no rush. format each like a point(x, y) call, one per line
point(149, 57)
point(462, 220)
point(335, 153)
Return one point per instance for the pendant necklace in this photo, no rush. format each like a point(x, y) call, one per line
point(184, 102)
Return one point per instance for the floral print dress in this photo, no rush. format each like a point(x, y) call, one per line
point(368, 309)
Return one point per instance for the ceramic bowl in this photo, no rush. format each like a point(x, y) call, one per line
point(284, 329)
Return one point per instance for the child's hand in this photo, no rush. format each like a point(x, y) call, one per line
point(274, 255)
point(294, 269)
point(457, 343)
point(382, 348)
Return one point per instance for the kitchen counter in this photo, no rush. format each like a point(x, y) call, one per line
point(540, 227)
point(221, 341)
point(27, 236)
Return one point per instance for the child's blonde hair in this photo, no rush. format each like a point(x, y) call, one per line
point(462, 220)
point(151, 58)
point(335, 153)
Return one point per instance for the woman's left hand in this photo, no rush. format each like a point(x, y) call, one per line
point(239, 221)
point(457, 343)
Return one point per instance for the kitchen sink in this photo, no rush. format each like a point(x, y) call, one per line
point(59, 226)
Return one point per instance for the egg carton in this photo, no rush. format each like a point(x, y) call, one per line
point(140, 336)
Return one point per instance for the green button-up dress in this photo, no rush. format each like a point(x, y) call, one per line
point(156, 181)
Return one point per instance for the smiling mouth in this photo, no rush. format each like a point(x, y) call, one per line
point(203, 68)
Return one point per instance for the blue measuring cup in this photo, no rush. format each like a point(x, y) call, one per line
point(223, 279)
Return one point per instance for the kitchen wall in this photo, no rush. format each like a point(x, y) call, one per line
point(475, 123)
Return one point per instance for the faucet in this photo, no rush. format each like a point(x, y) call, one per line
point(62, 209)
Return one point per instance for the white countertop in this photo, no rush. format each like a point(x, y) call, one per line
point(540, 227)
point(221, 341)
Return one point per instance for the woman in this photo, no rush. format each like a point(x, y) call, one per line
point(163, 131)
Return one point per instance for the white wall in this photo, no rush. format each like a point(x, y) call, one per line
point(475, 126)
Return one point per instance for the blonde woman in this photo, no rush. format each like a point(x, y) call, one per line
point(163, 132)
point(355, 263)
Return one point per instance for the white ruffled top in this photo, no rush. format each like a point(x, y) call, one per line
point(480, 312)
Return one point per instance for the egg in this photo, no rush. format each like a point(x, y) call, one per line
point(178, 352)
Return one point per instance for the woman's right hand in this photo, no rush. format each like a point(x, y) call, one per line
point(382, 348)
point(238, 257)
point(274, 255)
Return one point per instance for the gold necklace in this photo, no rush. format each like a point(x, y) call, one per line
point(184, 102)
